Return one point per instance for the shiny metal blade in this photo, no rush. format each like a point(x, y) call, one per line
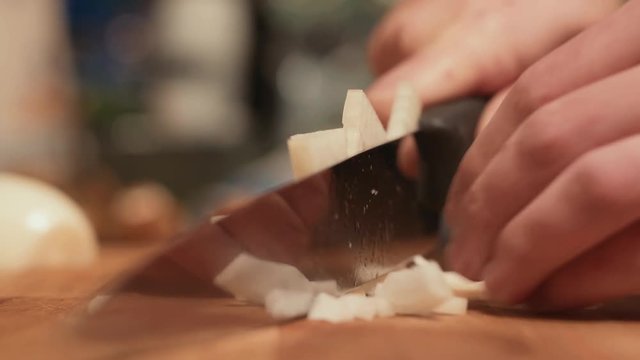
point(347, 223)
point(352, 223)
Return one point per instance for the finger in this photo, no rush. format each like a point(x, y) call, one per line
point(275, 220)
point(408, 158)
point(580, 61)
point(436, 73)
point(455, 64)
point(596, 197)
point(607, 272)
point(408, 27)
point(539, 150)
point(231, 204)
point(309, 199)
point(491, 108)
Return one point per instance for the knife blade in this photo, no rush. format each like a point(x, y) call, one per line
point(353, 223)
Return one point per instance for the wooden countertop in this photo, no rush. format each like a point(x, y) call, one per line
point(37, 308)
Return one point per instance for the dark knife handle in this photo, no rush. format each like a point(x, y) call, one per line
point(446, 132)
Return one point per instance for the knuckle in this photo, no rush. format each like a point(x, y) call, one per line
point(466, 172)
point(375, 53)
point(408, 41)
point(464, 177)
point(475, 204)
point(519, 250)
point(531, 91)
point(539, 144)
point(457, 193)
point(599, 183)
point(450, 208)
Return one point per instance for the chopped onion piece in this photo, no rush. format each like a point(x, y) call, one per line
point(363, 129)
point(453, 306)
point(420, 290)
point(383, 308)
point(415, 291)
point(288, 304)
point(250, 278)
point(328, 308)
point(362, 307)
point(460, 285)
point(419, 260)
point(405, 112)
point(463, 287)
point(312, 152)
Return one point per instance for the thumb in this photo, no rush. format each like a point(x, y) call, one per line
point(436, 75)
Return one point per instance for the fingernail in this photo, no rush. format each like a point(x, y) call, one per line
point(451, 253)
point(475, 266)
point(457, 253)
point(383, 87)
point(408, 158)
point(459, 260)
point(498, 285)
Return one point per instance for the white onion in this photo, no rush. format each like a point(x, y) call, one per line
point(363, 129)
point(329, 308)
point(312, 152)
point(252, 279)
point(288, 304)
point(415, 291)
point(405, 112)
point(42, 227)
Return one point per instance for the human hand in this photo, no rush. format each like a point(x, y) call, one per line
point(452, 48)
point(546, 202)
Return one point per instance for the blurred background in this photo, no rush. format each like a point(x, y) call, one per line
point(151, 113)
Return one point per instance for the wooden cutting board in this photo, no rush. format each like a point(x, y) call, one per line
point(38, 309)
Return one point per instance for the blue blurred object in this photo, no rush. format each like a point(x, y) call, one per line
point(304, 56)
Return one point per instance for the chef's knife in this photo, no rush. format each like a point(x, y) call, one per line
point(350, 223)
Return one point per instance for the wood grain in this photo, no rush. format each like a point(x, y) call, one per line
point(38, 313)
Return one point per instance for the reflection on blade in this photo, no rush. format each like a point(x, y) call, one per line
point(348, 223)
